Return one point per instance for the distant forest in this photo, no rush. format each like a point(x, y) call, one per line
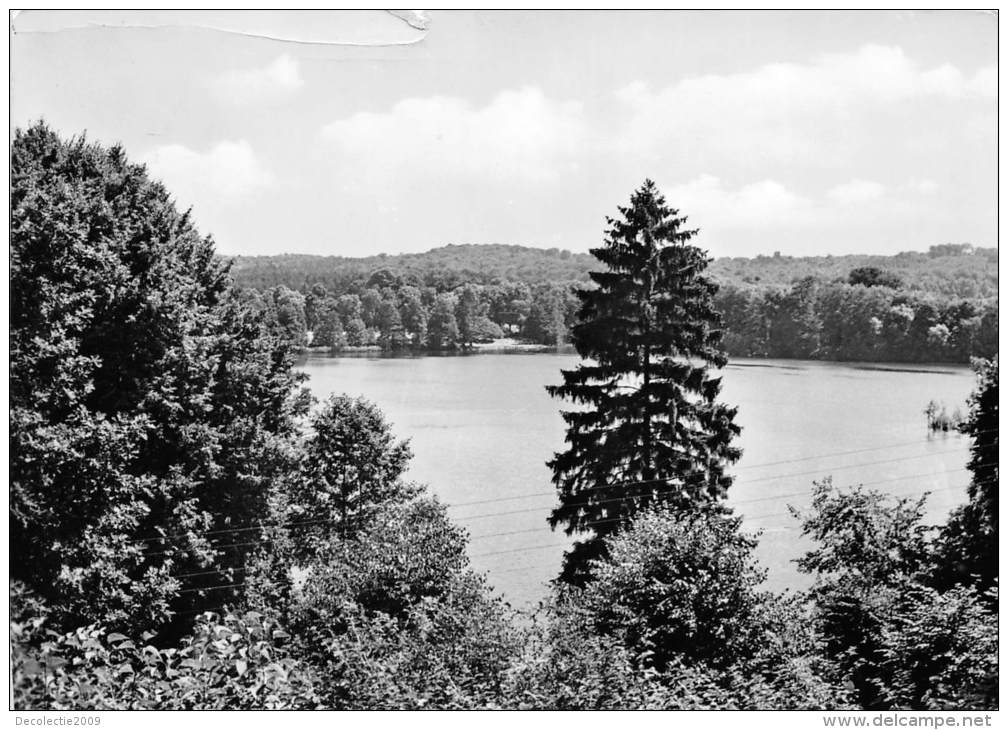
point(938, 306)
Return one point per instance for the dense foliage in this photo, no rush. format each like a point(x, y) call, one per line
point(148, 404)
point(946, 270)
point(901, 643)
point(968, 543)
point(836, 320)
point(939, 306)
point(648, 426)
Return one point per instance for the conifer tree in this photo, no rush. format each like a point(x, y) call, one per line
point(649, 427)
point(152, 405)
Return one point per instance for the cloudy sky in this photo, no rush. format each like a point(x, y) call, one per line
point(805, 133)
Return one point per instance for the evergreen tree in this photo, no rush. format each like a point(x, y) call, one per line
point(147, 398)
point(650, 428)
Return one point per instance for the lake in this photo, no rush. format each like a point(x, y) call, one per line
point(481, 428)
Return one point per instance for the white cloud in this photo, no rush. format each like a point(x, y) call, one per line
point(855, 191)
point(520, 135)
point(790, 112)
point(770, 205)
point(245, 86)
point(763, 204)
point(226, 173)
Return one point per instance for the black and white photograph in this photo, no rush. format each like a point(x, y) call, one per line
point(504, 360)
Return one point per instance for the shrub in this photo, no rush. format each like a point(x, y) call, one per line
point(680, 586)
point(231, 661)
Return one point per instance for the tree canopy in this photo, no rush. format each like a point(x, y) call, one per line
point(147, 402)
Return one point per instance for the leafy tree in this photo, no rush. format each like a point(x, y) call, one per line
point(328, 326)
point(370, 301)
point(313, 299)
point(413, 315)
point(544, 323)
point(483, 330)
point(349, 307)
point(467, 310)
point(675, 617)
point(289, 310)
point(874, 276)
point(356, 332)
point(392, 335)
point(968, 543)
point(681, 587)
point(147, 399)
point(383, 279)
point(351, 464)
point(448, 646)
point(744, 316)
point(442, 330)
point(651, 429)
point(901, 638)
point(793, 327)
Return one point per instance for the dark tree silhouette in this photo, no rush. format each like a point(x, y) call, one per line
point(146, 398)
point(650, 428)
point(968, 545)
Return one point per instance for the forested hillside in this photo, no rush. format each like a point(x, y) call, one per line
point(443, 268)
point(939, 306)
point(951, 270)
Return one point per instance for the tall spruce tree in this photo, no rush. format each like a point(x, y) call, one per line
point(650, 428)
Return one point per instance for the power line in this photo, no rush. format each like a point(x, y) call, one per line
point(610, 485)
point(865, 484)
point(622, 498)
point(744, 517)
point(561, 544)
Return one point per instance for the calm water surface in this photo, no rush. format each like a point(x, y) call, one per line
point(481, 428)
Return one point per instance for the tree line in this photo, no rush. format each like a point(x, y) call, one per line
point(387, 313)
point(869, 315)
point(856, 320)
point(189, 530)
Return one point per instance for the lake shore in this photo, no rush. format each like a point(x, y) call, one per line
point(503, 345)
point(510, 345)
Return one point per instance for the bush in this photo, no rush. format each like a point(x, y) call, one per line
point(449, 652)
point(231, 661)
point(565, 664)
point(940, 652)
point(899, 642)
point(393, 618)
point(679, 586)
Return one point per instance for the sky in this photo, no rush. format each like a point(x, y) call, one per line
point(357, 133)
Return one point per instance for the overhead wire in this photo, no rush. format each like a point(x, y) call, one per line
point(456, 505)
point(322, 521)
